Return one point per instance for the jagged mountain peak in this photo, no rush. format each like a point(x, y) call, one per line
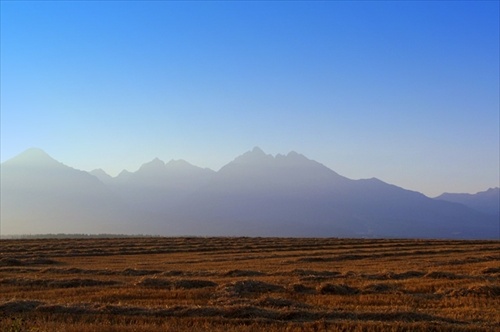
point(295, 157)
point(487, 201)
point(257, 150)
point(157, 162)
point(179, 163)
point(33, 157)
point(99, 171)
point(101, 175)
point(124, 175)
point(34, 151)
point(256, 155)
point(182, 165)
point(155, 165)
point(489, 191)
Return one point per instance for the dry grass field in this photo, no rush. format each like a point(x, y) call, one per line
point(249, 284)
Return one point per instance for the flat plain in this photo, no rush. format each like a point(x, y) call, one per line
point(249, 284)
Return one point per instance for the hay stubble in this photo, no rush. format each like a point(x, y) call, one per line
point(248, 284)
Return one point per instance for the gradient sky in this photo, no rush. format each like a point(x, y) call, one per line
point(407, 92)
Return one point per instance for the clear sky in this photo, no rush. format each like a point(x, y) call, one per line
point(407, 92)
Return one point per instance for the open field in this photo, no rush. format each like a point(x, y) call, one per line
point(249, 284)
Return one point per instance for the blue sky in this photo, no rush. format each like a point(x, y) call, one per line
point(407, 92)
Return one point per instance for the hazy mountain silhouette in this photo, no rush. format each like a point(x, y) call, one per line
point(485, 201)
point(42, 195)
point(158, 187)
point(102, 175)
point(254, 195)
point(258, 194)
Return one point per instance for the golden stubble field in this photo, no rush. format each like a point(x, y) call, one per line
point(249, 284)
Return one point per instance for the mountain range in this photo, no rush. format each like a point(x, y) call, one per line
point(256, 194)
